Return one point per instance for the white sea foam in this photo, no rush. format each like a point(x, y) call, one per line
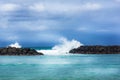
point(16, 45)
point(64, 47)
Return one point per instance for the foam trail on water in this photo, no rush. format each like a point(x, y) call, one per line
point(64, 47)
point(16, 45)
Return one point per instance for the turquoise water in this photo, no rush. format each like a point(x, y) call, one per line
point(64, 67)
point(42, 48)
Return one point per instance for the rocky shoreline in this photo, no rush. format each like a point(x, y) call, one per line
point(98, 49)
point(18, 51)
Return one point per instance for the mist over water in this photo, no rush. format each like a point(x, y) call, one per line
point(64, 47)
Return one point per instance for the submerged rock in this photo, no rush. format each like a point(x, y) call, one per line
point(96, 50)
point(18, 51)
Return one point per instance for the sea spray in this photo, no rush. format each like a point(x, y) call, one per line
point(64, 47)
point(16, 45)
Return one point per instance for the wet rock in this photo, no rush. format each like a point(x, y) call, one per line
point(96, 50)
point(18, 51)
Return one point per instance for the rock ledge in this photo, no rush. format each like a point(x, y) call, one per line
point(96, 50)
point(18, 51)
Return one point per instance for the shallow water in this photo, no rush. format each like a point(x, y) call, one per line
point(64, 67)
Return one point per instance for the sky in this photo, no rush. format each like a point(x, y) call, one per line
point(44, 22)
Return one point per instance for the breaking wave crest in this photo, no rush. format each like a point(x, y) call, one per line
point(64, 47)
point(16, 45)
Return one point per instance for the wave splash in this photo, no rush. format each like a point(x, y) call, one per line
point(16, 45)
point(63, 48)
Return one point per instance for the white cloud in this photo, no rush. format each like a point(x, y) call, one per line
point(93, 29)
point(65, 7)
point(91, 6)
point(41, 25)
point(8, 7)
point(37, 7)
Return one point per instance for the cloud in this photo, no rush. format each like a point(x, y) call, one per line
point(95, 30)
point(37, 7)
point(8, 7)
point(91, 6)
point(47, 20)
point(65, 7)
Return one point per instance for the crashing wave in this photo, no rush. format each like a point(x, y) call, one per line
point(64, 47)
point(16, 45)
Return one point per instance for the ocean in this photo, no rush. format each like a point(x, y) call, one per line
point(58, 64)
point(61, 67)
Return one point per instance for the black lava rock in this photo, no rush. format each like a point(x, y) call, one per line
point(18, 51)
point(96, 50)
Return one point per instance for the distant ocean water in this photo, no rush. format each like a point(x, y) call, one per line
point(60, 67)
point(42, 48)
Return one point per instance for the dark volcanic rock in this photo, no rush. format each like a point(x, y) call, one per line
point(18, 51)
point(96, 50)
